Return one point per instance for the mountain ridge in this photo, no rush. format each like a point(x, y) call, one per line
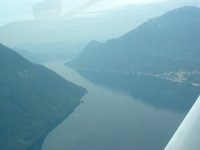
point(157, 62)
point(152, 47)
point(33, 100)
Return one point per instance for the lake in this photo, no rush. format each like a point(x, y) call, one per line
point(111, 120)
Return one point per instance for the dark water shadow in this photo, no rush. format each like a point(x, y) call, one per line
point(158, 92)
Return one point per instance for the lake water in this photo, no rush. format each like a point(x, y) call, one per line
point(110, 120)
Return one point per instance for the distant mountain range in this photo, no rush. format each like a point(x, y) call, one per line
point(33, 100)
point(167, 47)
point(99, 25)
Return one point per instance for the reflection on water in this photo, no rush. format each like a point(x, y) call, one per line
point(155, 91)
point(109, 120)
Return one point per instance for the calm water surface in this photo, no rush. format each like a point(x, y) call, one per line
point(110, 120)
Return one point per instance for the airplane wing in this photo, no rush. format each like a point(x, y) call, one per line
point(187, 137)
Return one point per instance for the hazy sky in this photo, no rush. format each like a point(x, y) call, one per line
point(14, 10)
point(77, 20)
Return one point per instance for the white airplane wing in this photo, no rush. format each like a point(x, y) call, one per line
point(187, 137)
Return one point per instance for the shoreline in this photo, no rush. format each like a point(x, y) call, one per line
point(37, 145)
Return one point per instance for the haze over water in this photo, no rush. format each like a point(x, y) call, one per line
point(110, 120)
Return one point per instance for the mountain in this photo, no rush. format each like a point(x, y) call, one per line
point(157, 62)
point(28, 55)
point(167, 46)
point(43, 52)
point(33, 100)
point(102, 25)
